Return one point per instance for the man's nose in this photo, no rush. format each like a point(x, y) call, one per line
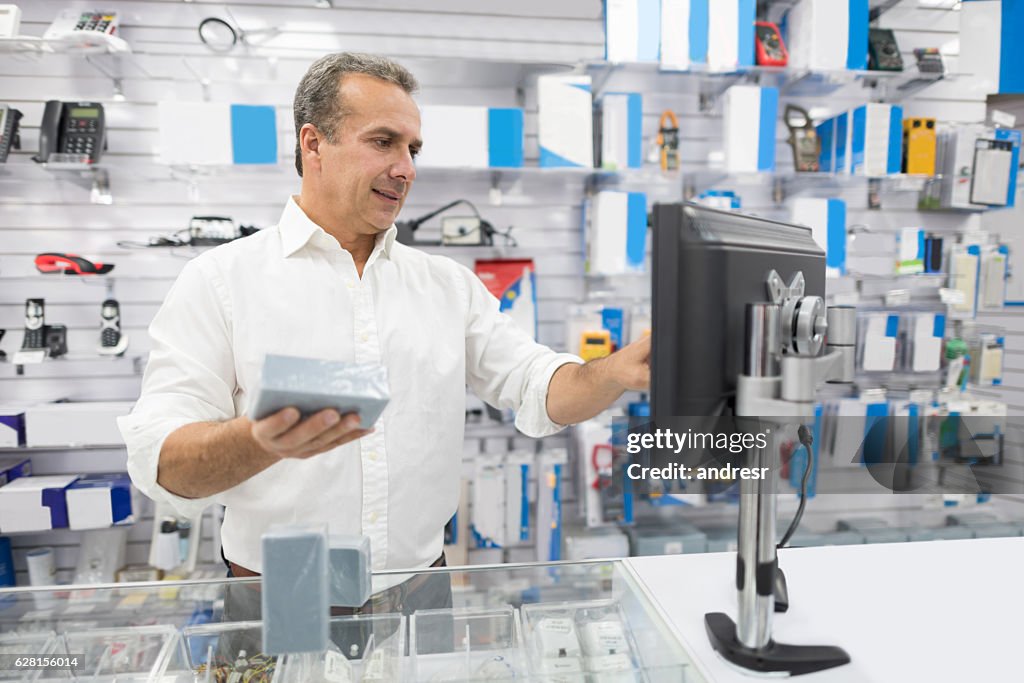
point(404, 168)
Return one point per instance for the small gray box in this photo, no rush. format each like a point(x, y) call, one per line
point(842, 538)
point(884, 535)
point(861, 524)
point(675, 539)
point(972, 519)
point(995, 530)
point(312, 385)
point(295, 591)
point(351, 570)
point(942, 533)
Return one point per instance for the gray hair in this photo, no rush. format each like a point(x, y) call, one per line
point(317, 100)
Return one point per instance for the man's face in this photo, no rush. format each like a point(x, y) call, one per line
point(368, 170)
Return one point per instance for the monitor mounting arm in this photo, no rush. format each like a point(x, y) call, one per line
point(782, 370)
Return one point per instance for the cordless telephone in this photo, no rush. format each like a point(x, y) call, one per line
point(112, 341)
point(35, 332)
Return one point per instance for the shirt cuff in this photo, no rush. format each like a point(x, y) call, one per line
point(532, 418)
point(144, 438)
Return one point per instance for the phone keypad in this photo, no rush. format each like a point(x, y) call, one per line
point(94, 22)
point(109, 337)
point(81, 136)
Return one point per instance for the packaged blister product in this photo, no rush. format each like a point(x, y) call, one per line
point(604, 638)
point(311, 385)
point(556, 637)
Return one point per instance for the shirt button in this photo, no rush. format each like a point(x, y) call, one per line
point(373, 456)
point(350, 284)
point(373, 517)
point(364, 337)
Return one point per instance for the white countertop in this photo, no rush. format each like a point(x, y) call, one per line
point(933, 611)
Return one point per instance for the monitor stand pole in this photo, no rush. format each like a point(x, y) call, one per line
point(783, 385)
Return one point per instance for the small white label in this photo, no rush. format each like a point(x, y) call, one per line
point(952, 297)
point(337, 668)
point(562, 626)
point(1004, 119)
point(674, 548)
point(897, 297)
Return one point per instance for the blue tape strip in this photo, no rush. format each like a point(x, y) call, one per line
point(505, 137)
point(939, 327)
point(524, 502)
point(253, 134)
point(894, 161)
point(835, 256)
point(860, 120)
point(699, 18)
point(747, 16)
point(766, 135)
point(1011, 48)
point(636, 231)
point(842, 132)
point(634, 133)
point(892, 326)
point(857, 47)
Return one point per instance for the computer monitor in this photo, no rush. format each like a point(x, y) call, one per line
point(708, 265)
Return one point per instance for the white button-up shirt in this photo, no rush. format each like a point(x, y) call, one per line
point(293, 290)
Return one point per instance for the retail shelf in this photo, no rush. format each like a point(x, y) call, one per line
point(79, 42)
point(75, 365)
point(52, 449)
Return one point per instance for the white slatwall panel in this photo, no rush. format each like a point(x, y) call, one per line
point(463, 52)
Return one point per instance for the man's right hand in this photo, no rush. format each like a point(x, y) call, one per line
point(285, 436)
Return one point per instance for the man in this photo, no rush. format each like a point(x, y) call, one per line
point(330, 281)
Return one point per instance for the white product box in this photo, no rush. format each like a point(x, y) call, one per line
point(98, 501)
point(565, 121)
point(876, 139)
point(751, 115)
point(35, 504)
point(828, 34)
point(631, 30)
point(621, 130)
point(616, 233)
point(827, 220)
point(75, 424)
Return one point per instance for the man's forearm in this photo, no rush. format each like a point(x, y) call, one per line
point(579, 392)
point(205, 458)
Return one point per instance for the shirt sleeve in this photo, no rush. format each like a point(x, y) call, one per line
point(504, 365)
point(190, 377)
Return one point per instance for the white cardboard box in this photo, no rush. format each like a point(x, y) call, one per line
point(35, 503)
point(75, 424)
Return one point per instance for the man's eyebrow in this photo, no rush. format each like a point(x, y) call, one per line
point(392, 133)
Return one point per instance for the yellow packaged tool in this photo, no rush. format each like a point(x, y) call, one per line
point(919, 146)
point(595, 344)
point(668, 140)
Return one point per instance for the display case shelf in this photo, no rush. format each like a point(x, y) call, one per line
point(205, 625)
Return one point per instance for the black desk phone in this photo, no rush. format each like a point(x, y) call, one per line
point(72, 128)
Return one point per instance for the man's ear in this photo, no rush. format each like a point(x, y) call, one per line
point(309, 142)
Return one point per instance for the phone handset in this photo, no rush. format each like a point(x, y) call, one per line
point(49, 131)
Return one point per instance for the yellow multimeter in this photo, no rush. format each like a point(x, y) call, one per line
point(595, 344)
point(668, 140)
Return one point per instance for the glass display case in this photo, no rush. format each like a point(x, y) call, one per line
point(561, 622)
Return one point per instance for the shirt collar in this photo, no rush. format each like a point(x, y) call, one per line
point(297, 230)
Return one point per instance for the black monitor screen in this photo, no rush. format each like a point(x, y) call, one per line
point(708, 265)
